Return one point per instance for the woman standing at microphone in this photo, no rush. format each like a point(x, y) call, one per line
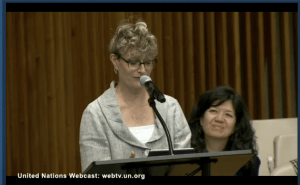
point(120, 123)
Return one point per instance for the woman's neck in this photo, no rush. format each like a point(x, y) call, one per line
point(131, 95)
point(215, 145)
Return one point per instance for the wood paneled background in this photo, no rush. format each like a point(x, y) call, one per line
point(57, 63)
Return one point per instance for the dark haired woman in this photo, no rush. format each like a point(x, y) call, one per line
point(220, 122)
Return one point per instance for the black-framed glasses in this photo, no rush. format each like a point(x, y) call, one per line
point(136, 64)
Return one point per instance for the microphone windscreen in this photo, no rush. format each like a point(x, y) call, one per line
point(145, 79)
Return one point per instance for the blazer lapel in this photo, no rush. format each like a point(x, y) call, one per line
point(159, 130)
point(112, 112)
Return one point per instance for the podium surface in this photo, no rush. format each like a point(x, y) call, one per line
point(221, 163)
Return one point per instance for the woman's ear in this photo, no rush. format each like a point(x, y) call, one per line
point(114, 59)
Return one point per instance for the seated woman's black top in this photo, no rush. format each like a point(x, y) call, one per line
point(252, 170)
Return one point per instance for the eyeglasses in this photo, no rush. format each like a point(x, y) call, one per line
point(135, 64)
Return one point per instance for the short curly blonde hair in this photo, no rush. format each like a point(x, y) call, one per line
point(133, 36)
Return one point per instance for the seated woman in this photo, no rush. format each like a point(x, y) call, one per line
point(220, 122)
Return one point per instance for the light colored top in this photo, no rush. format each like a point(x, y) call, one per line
point(142, 133)
point(105, 136)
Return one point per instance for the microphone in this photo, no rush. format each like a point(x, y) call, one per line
point(152, 89)
point(156, 94)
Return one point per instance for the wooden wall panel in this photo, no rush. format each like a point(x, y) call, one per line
point(273, 73)
point(222, 48)
point(52, 100)
point(41, 89)
point(295, 46)
point(188, 61)
point(33, 109)
point(71, 131)
point(168, 47)
point(179, 66)
point(199, 59)
point(211, 65)
point(260, 65)
point(58, 62)
point(236, 48)
point(59, 72)
point(11, 123)
point(158, 72)
point(286, 65)
point(248, 61)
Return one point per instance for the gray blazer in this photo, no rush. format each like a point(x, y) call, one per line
point(105, 136)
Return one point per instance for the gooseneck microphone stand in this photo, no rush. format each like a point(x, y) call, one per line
point(152, 104)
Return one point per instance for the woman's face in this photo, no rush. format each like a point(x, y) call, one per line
point(219, 122)
point(128, 76)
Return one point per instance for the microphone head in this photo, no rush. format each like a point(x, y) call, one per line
point(144, 79)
